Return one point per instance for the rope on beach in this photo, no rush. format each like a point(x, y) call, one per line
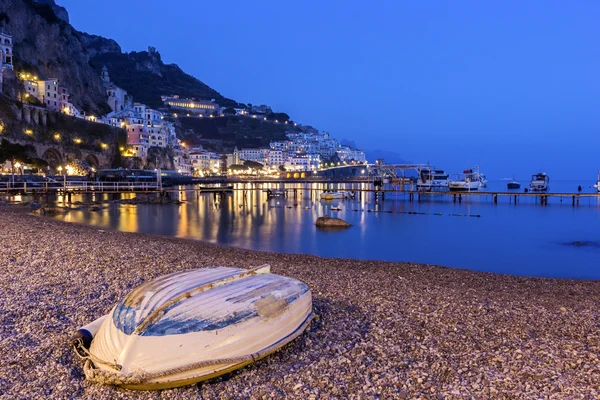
point(140, 377)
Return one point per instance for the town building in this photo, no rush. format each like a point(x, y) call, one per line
point(117, 98)
point(256, 155)
point(204, 107)
point(346, 153)
point(302, 162)
point(48, 93)
point(6, 50)
point(276, 158)
point(262, 109)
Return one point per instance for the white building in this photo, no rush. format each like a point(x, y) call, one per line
point(150, 116)
point(346, 153)
point(256, 155)
point(181, 160)
point(276, 158)
point(157, 135)
point(6, 51)
point(302, 162)
point(117, 98)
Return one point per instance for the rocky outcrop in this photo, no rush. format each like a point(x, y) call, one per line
point(59, 11)
point(46, 45)
point(328, 222)
point(95, 44)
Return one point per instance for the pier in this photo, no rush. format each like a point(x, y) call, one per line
point(378, 193)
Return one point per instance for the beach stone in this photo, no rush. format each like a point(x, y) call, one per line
point(323, 222)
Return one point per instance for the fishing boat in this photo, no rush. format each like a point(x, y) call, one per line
point(190, 326)
point(335, 195)
point(432, 179)
point(275, 193)
point(539, 182)
point(513, 185)
point(597, 185)
point(469, 180)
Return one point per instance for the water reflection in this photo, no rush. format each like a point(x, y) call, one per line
point(524, 238)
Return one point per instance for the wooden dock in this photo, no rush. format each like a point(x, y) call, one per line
point(83, 187)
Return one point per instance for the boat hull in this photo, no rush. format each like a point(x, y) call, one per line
point(335, 195)
point(193, 326)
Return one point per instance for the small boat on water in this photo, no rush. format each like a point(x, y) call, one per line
point(597, 185)
point(335, 195)
point(276, 193)
point(432, 179)
point(539, 182)
point(469, 180)
point(190, 326)
point(513, 185)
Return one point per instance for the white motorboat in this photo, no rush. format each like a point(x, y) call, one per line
point(432, 179)
point(194, 325)
point(469, 180)
point(540, 182)
point(597, 185)
point(335, 195)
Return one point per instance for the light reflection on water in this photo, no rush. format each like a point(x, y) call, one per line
point(522, 239)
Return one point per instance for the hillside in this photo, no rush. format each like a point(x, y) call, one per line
point(223, 134)
point(146, 77)
point(47, 46)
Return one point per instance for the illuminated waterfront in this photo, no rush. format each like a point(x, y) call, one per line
point(523, 239)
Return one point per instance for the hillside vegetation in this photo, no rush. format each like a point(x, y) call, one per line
point(146, 77)
point(223, 134)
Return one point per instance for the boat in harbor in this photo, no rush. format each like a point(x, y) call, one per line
point(276, 193)
point(335, 195)
point(432, 179)
point(597, 185)
point(190, 326)
point(469, 180)
point(540, 182)
point(513, 185)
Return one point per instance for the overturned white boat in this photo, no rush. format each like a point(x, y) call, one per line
point(191, 326)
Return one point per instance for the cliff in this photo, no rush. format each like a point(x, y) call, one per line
point(96, 45)
point(59, 11)
point(47, 46)
point(144, 75)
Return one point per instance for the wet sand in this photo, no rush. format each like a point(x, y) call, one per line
point(386, 330)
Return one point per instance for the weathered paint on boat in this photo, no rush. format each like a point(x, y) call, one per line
point(195, 316)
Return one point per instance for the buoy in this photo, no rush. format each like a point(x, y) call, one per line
point(87, 332)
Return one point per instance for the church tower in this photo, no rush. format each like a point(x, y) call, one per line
point(104, 76)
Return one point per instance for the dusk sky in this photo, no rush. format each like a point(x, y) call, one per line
point(512, 86)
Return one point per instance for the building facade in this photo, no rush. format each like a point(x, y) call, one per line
point(204, 107)
point(6, 50)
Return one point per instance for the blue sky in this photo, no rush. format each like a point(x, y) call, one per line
point(512, 86)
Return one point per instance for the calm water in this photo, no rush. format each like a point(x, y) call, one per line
point(522, 239)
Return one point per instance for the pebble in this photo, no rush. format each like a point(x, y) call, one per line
point(385, 330)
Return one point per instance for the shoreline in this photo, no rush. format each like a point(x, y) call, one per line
point(391, 329)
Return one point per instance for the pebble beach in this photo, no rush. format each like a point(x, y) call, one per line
point(385, 330)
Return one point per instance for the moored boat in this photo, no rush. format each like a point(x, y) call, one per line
point(335, 195)
point(469, 180)
point(513, 185)
point(540, 182)
point(597, 185)
point(432, 179)
point(194, 325)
